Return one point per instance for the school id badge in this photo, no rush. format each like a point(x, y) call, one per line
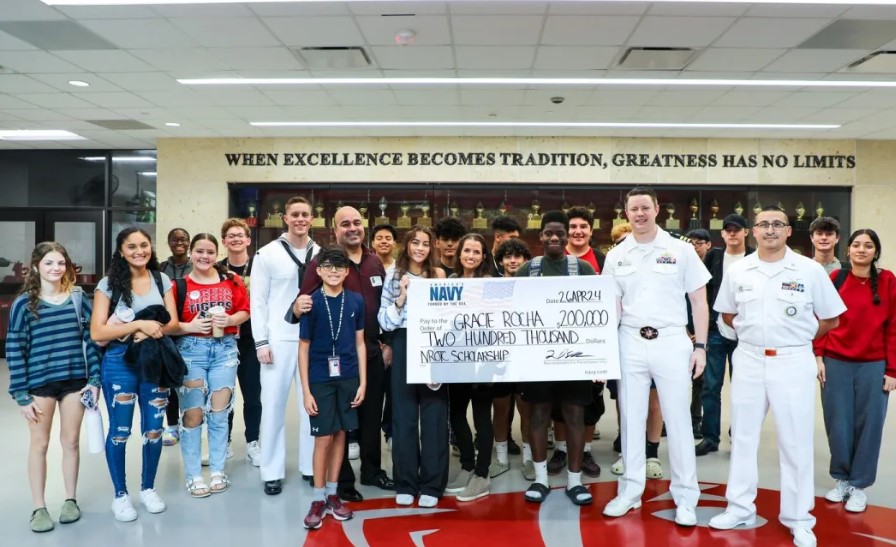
point(334, 366)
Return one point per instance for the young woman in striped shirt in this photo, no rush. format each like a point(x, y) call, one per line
point(49, 367)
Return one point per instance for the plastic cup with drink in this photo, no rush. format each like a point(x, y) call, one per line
point(217, 332)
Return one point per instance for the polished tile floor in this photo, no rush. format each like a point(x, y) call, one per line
point(245, 516)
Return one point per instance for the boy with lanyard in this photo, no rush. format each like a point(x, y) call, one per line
point(332, 359)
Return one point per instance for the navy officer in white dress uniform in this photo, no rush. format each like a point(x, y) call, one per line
point(777, 302)
point(653, 272)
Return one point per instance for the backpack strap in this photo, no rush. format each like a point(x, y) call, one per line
point(535, 267)
point(841, 278)
point(77, 301)
point(180, 287)
point(157, 275)
point(572, 265)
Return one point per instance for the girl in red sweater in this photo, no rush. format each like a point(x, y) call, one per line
point(857, 370)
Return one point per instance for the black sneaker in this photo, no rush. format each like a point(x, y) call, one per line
point(590, 467)
point(557, 462)
point(705, 447)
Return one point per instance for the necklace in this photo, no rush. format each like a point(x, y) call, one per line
point(861, 280)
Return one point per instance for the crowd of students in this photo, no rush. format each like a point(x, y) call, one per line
point(174, 339)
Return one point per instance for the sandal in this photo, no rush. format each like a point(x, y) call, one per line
point(576, 491)
point(197, 488)
point(537, 492)
point(219, 483)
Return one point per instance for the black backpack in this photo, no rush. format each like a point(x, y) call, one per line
point(116, 294)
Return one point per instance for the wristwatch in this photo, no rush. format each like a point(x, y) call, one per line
point(700, 345)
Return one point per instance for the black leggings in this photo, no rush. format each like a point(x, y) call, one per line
point(460, 396)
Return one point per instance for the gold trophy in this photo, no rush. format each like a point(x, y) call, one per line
point(424, 220)
point(780, 205)
point(672, 223)
point(275, 217)
point(319, 221)
point(695, 220)
point(362, 208)
point(739, 209)
point(502, 208)
point(591, 208)
point(618, 208)
point(381, 205)
point(480, 222)
point(819, 210)
point(404, 221)
point(251, 220)
point(454, 209)
point(534, 217)
point(715, 223)
point(800, 223)
point(565, 206)
point(757, 208)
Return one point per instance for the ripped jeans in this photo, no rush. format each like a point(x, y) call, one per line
point(123, 390)
point(211, 367)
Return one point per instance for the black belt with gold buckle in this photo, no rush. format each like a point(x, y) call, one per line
point(649, 333)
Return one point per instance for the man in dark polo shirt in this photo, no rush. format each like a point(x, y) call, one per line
point(365, 277)
point(572, 396)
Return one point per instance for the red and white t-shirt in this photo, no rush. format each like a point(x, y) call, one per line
point(230, 294)
point(590, 258)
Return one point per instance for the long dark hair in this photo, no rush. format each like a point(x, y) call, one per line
point(403, 262)
point(31, 287)
point(221, 268)
point(485, 267)
point(119, 273)
point(876, 240)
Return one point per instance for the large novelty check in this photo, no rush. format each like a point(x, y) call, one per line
point(512, 329)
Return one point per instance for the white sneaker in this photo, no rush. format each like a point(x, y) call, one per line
point(618, 468)
point(729, 521)
point(839, 492)
point(253, 453)
point(428, 501)
point(354, 451)
point(151, 500)
point(404, 499)
point(803, 537)
point(685, 516)
point(618, 507)
point(123, 509)
point(459, 482)
point(229, 453)
point(857, 500)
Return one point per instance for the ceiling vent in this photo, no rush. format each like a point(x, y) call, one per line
point(852, 34)
point(879, 62)
point(120, 125)
point(656, 58)
point(319, 58)
point(56, 35)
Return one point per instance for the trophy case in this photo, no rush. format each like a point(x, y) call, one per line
point(682, 208)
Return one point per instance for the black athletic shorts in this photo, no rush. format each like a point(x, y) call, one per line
point(593, 411)
point(613, 388)
point(334, 407)
point(503, 389)
point(58, 390)
point(577, 392)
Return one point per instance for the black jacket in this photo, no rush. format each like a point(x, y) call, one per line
point(158, 361)
point(714, 262)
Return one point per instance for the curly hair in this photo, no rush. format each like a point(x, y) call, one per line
point(119, 272)
point(31, 287)
point(404, 259)
point(484, 267)
point(221, 268)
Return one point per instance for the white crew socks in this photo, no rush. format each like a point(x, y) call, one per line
point(560, 445)
point(541, 472)
point(527, 452)
point(587, 447)
point(501, 451)
point(573, 480)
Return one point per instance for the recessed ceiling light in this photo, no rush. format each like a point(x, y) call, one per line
point(39, 135)
point(78, 83)
point(172, 124)
point(531, 82)
point(567, 125)
point(121, 159)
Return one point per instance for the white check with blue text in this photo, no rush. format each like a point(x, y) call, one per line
point(530, 329)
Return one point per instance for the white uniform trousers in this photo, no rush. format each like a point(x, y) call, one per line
point(276, 382)
point(785, 382)
point(665, 359)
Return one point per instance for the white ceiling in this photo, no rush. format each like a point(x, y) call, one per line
point(157, 44)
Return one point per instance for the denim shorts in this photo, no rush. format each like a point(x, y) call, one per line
point(59, 389)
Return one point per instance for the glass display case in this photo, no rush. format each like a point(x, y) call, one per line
point(682, 208)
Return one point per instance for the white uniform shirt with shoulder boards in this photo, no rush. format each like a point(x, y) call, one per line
point(275, 284)
point(653, 279)
point(778, 304)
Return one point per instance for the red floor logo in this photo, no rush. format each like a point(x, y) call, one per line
point(507, 519)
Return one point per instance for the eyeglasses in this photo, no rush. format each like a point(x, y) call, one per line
point(331, 268)
point(777, 225)
point(235, 236)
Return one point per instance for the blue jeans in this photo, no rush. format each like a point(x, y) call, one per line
point(211, 364)
point(123, 390)
point(718, 350)
point(855, 406)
